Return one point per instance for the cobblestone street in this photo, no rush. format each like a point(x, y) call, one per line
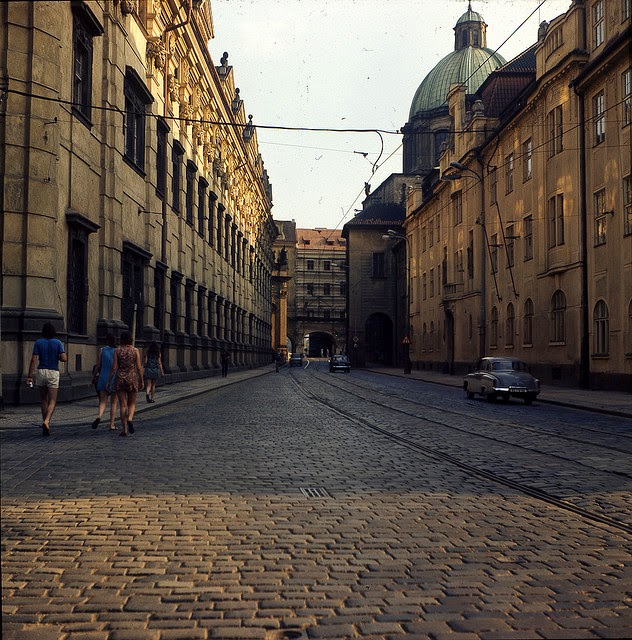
point(253, 512)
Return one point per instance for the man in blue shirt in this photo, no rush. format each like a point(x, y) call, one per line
point(48, 352)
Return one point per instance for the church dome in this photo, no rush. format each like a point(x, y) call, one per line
point(470, 63)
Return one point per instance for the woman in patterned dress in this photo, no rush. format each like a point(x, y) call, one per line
point(129, 379)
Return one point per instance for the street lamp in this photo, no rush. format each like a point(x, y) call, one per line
point(391, 234)
point(483, 308)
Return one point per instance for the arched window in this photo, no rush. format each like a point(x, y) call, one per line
point(475, 34)
point(493, 339)
point(527, 332)
point(424, 338)
point(432, 337)
point(600, 329)
point(558, 317)
point(510, 325)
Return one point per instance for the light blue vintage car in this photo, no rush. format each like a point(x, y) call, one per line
point(501, 377)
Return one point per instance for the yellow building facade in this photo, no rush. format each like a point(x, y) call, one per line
point(521, 242)
point(134, 195)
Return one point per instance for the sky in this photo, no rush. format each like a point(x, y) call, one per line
point(345, 64)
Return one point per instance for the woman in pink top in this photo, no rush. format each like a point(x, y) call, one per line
point(129, 380)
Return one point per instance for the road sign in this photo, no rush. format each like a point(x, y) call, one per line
point(405, 340)
point(356, 339)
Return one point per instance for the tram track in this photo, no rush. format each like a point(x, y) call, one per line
point(437, 454)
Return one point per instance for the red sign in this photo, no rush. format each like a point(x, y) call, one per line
point(406, 340)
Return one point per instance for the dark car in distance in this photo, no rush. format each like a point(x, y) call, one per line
point(501, 377)
point(296, 360)
point(339, 363)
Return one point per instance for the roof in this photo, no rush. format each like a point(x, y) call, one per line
point(380, 213)
point(320, 238)
point(470, 65)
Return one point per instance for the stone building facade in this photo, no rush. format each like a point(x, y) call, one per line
point(319, 323)
point(134, 195)
point(524, 246)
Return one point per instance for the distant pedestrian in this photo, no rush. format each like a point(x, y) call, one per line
point(153, 370)
point(225, 358)
point(48, 352)
point(127, 371)
point(102, 377)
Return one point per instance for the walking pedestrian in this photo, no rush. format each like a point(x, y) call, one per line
point(101, 379)
point(128, 372)
point(48, 352)
point(225, 361)
point(153, 369)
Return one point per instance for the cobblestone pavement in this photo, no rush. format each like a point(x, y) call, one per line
point(253, 512)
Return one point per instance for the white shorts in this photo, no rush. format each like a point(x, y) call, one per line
point(47, 378)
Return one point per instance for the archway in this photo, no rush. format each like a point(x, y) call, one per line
point(320, 344)
point(379, 340)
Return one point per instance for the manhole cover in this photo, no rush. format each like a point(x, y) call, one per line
point(315, 492)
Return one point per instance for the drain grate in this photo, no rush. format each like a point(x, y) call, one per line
point(315, 492)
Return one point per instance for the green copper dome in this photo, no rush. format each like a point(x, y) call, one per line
point(470, 63)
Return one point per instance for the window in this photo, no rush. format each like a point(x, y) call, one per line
point(310, 289)
point(188, 307)
point(133, 262)
point(470, 256)
point(159, 297)
point(599, 118)
point(424, 285)
point(431, 233)
point(458, 265)
point(510, 238)
point(220, 226)
point(509, 173)
point(527, 337)
point(528, 238)
point(527, 160)
point(493, 338)
point(558, 317)
point(627, 205)
point(202, 184)
point(601, 340)
point(326, 314)
point(137, 97)
point(327, 289)
point(177, 153)
point(327, 265)
point(493, 186)
point(191, 171)
point(423, 239)
point(85, 28)
point(457, 208)
point(342, 289)
point(600, 217)
point(431, 283)
point(310, 265)
point(626, 94)
point(493, 252)
point(378, 265)
point(79, 228)
point(161, 159)
point(556, 221)
point(555, 128)
point(597, 23)
point(510, 326)
point(174, 292)
point(201, 294)
point(212, 217)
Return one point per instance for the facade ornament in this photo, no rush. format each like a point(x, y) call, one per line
point(185, 112)
point(129, 6)
point(237, 102)
point(156, 52)
point(173, 87)
point(198, 134)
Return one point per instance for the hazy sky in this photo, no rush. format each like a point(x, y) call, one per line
point(345, 64)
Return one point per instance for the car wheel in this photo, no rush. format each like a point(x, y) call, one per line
point(489, 397)
point(468, 393)
point(505, 397)
point(529, 399)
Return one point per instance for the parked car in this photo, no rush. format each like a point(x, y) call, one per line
point(339, 363)
point(502, 377)
point(296, 360)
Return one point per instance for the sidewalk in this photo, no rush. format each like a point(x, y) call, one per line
point(616, 403)
point(83, 412)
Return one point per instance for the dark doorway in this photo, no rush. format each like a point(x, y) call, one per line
point(379, 340)
point(320, 345)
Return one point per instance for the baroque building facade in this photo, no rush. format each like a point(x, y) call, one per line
point(521, 242)
point(319, 324)
point(134, 195)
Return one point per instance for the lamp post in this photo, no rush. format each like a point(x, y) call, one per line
point(394, 235)
point(483, 307)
